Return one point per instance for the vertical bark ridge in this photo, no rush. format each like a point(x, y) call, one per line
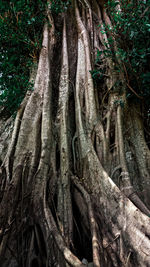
point(8, 161)
point(80, 76)
point(89, 87)
point(64, 197)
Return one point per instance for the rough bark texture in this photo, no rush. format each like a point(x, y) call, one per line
point(75, 178)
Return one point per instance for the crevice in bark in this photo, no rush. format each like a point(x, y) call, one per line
point(81, 238)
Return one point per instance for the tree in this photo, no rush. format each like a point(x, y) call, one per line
point(75, 178)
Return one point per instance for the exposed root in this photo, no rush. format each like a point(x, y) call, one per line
point(68, 255)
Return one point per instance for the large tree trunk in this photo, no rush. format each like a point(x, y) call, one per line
point(75, 178)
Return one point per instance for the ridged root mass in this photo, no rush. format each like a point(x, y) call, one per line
point(76, 160)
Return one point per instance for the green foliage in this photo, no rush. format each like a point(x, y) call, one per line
point(96, 75)
point(21, 24)
point(59, 6)
point(131, 32)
